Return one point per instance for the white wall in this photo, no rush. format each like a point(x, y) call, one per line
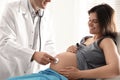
point(68, 28)
point(62, 12)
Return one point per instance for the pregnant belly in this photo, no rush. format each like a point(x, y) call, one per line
point(65, 59)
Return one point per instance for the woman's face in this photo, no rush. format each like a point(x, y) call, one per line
point(93, 24)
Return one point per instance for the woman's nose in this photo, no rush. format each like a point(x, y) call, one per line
point(90, 23)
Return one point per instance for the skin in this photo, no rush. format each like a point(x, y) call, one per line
point(67, 65)
point(37, 4)
point(41, 57)
point(94, 27)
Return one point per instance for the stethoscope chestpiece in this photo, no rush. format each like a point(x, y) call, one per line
point(57, 60)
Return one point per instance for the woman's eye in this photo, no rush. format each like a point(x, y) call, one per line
point(95, 21)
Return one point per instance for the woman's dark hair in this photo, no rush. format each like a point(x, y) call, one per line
point(105, 15)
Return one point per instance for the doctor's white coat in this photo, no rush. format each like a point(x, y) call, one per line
point(16, 39)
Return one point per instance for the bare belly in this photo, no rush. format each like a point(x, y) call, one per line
point(65, 59)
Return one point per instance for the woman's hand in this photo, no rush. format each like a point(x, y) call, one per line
point(72, 49)
point(70, 72)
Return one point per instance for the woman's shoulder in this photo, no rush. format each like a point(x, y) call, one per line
point(106, 39)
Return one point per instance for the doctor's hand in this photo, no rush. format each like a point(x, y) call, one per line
point(43, 58)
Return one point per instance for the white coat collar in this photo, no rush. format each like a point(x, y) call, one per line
point(23, 6)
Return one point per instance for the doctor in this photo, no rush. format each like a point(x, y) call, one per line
point(26, 37)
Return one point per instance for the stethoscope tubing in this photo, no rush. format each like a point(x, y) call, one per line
point(40, 17)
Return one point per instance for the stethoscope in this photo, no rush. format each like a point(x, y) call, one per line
point(40, 17)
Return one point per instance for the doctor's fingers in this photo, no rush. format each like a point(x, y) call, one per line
point(48, 57)
point(44, 58)
point(51, 58)
point(43, 61)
